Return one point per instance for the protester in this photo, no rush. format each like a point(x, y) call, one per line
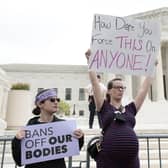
point(46, 102)
point(119, 147)
point(92, 106)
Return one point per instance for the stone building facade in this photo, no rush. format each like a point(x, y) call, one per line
point(70, 80)
point(4, 87)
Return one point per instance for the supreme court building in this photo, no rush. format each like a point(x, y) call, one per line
point(70, 82)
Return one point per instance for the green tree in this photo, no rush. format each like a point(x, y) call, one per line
point(64, 108)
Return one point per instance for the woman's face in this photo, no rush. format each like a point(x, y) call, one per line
point(117, 90)
point(49, 105)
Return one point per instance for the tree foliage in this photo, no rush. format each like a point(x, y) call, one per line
point(64, 108)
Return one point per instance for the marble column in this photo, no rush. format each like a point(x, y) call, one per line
point(157, 86)
point(19, 104)
point(166, 67)
point(1, 101)
point(135, 85)
point(128, 81)
point(128, 92)
point(4, 102)
point(147, 96)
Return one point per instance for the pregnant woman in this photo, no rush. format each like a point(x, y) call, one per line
point(120, 144)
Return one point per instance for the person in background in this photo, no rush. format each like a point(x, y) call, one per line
point(119, 146)
point(92, 106)
point(46, 102)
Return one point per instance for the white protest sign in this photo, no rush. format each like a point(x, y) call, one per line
point(49, 141)
point(124, 45)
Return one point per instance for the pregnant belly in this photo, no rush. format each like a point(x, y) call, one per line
point(121, 142)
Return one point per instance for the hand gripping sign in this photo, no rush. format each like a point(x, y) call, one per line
point(44, 142)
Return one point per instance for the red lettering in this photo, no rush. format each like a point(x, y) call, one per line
point(128, 43)
point(137, 65)
point(120, 61)
point(107, 59)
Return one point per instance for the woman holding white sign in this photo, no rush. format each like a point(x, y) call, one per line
point(119, 145)
point(46, 103)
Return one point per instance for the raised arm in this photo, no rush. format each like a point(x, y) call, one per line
point(97, 92)
point(139, 99)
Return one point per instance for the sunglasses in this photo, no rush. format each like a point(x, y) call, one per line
point(53, 100)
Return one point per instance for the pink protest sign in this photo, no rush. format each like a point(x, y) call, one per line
point(124, 45)
point(49, 141)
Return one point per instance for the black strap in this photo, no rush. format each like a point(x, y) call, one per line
point(104, 129)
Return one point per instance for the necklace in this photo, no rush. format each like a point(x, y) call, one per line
point(118, 117)
point(121, 109)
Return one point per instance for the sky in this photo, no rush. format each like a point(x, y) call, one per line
point(56, 31)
